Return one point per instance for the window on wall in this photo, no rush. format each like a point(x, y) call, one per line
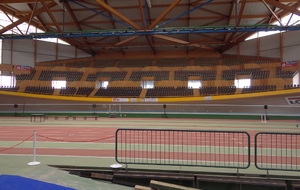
point(58, 84)
point(194, 84)
point(7, 80)
point(242, 83)
point(296, 79)
point(147, 84)
point(102, 84)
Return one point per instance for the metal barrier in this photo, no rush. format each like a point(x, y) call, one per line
point(226, 149)
point(277, 151)
point(153, 108)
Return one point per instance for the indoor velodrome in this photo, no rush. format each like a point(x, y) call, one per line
point(149, 95)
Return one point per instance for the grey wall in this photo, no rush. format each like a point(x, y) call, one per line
point(22, 52)
point(270, 46)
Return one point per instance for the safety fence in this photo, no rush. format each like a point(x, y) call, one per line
point(225, 149)
point(152, 108)
point(277, 151)
point(222, 149)
point(48, 139)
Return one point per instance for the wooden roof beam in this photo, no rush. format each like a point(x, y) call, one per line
point(246, 35)
point(144, 26)
point(26, 18)
point(283, 7)
point(18, 1)
point(38, 18)
point(273, 13)
point(183, 42)
point(113, 11)
point(51, 16)
point(163, 14)
point(238, 20)
point(114, 27)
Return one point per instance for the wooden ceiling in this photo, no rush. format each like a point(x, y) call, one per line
point(144, 15)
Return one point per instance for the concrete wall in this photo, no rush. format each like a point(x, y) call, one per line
point(269, 46)
point(27, 52)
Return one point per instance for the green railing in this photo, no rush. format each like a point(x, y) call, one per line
point(277, 151)
point(224, 149)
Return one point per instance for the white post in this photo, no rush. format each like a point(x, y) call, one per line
point(34, 162)
point(263, 118)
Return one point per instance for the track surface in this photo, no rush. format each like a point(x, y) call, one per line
point(90, 138)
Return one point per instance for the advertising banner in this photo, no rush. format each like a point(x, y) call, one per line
point(295, 100)
point(289, 64)
point(22, 67)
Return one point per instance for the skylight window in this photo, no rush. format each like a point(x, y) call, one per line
point(289, 20)
point(23, 28)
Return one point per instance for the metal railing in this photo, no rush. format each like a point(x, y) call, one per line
point(225, 149)
point(277, 151)
point(155, 108)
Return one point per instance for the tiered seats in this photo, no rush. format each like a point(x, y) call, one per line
point(46, 90)
point(119, 92)
point(79, 64)
point(214, 90)
point(102, 63)
point(231, 74)
point(158, 75)
point(286, 87)
point(238, 61)
point(9, 88)
point(26, 76)
point(260, 74)
point(283, 74)
point(208, 91)
point(84, 91)
point(172, 62)
point(206, 75)
point(113, 75)
point(206, 61)
point(169, 92)
point(70, 75)
point(135, 63)
point(234, 61)
point(226, 90)
point(68, 91)
point(260, 88)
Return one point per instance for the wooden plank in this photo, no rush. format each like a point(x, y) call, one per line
point(139, 187)
point(168, 186)
point(107, 177)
